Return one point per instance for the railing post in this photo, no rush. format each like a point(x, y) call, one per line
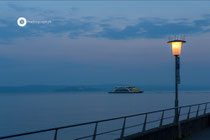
point(179, 113)
point(145, 123)
point(123, 128)
point(205, 108)
point(178, 123)
point(55, 136)
point(161, 120)
point(176, 116)
point(198, 111)
point(95, 131)
point(189, 112)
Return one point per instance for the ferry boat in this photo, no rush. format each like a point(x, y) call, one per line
point(126, 89)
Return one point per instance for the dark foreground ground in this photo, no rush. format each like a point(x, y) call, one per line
point(202, 135)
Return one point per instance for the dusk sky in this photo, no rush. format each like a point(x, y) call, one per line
point(103, 43)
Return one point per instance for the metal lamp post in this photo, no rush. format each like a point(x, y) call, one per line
point(176, 50)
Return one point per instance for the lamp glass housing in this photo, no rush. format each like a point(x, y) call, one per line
point(176, 46)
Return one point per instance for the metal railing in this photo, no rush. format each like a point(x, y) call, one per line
point(199, 110)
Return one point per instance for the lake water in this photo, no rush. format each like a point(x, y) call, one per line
point(28, 112)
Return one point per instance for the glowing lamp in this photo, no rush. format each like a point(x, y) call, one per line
point(176, 46)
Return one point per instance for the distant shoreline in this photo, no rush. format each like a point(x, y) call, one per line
point(89, 88)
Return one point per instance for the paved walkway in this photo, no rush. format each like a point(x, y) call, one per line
point(202, 135)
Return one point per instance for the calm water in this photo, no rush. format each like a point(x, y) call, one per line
point(27, 112)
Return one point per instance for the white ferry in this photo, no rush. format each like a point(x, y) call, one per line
point(126, 89)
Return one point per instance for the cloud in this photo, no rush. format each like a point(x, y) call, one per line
point(151, 28)
point(109, 28)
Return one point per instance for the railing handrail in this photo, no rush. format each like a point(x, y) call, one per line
point(99, 121)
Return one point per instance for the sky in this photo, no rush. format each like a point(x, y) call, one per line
point(113, 42)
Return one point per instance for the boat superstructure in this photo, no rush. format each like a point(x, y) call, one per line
point(126, 89)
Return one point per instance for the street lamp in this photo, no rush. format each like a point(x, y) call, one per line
point(176, 50)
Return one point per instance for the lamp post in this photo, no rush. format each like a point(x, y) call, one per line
point(176, 51)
